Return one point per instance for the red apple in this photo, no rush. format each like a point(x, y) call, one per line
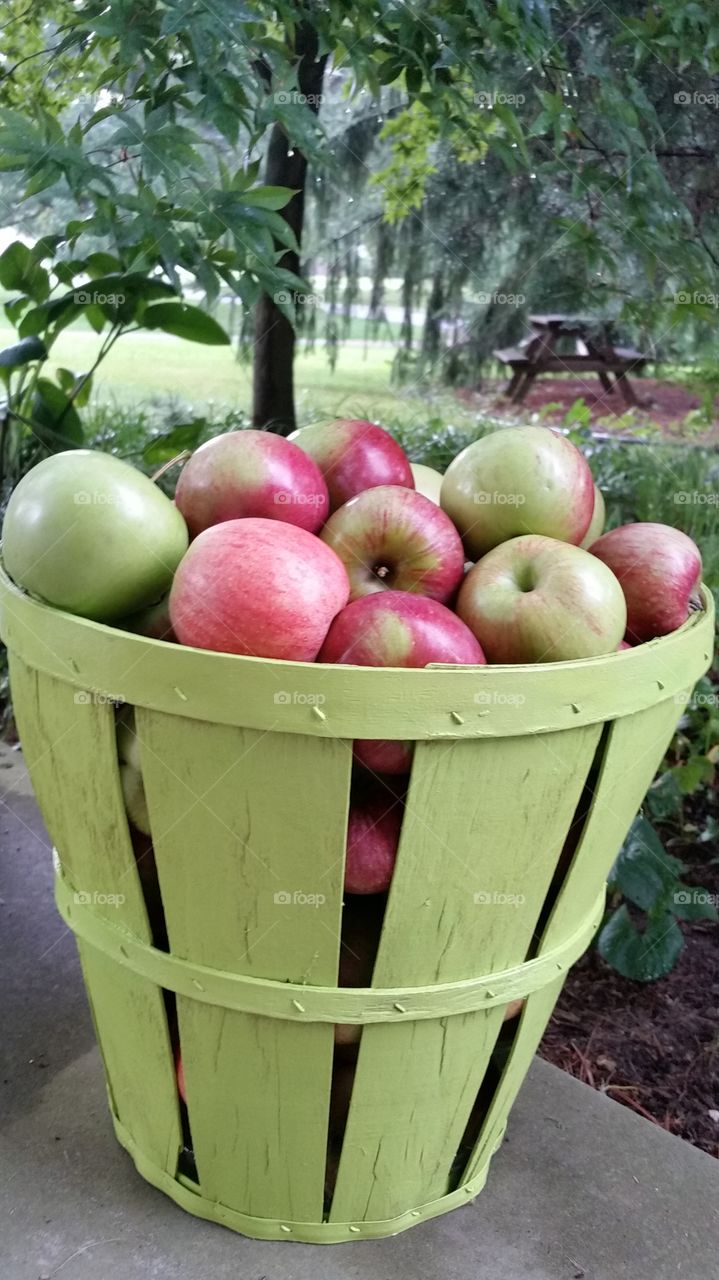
point(393, 539)
point(513, 1009)
point(596, 525)
point(373, 830)
point(535, 599)
point(660, 570)
point(518, 480)
point(396, 629)
point(354, 455)
point(258, 587)
point(251, 473)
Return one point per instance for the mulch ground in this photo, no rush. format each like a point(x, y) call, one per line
point(665, 405)
point(653, 1047)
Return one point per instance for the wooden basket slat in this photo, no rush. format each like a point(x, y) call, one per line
point(635, 746)
point(131, 1026)
point(70, 751)
point(239, 817)
point(532, 1023)
point(501, 837)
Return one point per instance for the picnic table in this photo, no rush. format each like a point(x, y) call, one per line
point(570, 344)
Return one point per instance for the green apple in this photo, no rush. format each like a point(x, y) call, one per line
point(90, 534)
point(536, 599)
point(518, 480)
point(599, 515)
point(427, 481)
point(133, 793)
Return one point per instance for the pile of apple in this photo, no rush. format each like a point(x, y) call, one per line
point(330, 546)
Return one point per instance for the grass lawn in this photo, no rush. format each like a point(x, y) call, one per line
point(143, 366)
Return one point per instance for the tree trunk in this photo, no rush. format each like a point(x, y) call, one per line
point(273, 373)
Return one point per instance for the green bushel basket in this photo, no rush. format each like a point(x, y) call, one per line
point(524, 783)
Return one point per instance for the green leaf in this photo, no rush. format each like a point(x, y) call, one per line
point(20, 272)
point(267, 197)
point(75, 385)
point(691, 775)
point(56, 422)
point(643, 956)
point(22, 353)
point(664, 797)
point(184, 321)
point(644, 872)
point(184, 436)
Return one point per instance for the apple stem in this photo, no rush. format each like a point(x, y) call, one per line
point(181, 457)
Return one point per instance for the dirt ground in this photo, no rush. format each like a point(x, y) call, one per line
point(665, 405)
point(652, 1046)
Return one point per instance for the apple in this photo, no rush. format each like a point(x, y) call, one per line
point(536, 599)
point(513, 1009)
point(133, 794)
point(153, 622)
point(518, 480)
point(90, 534)
point(373, 831)
point(396, 629)
point(258, 587)
point(251, 473)
point(660, 570)
point(393, 539)
point(128, 743)
point(427, 481)
point(596, 525)
point(354, 455)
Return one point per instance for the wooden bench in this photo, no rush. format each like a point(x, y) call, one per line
point(537, 354)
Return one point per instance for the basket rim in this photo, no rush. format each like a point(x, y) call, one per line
point(338, 701)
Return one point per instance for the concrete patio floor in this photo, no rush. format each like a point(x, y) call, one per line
point(581, 1190)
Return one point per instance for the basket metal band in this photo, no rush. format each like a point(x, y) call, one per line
point(299, 1003)
point(187, 1194)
